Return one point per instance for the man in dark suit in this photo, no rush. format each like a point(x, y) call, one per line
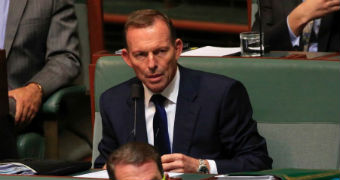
point(42, 52)
point(207, 118)
point(283, 23)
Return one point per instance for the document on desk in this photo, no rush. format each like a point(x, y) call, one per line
point(226, 177)
point(102, 174)
point(212, 51)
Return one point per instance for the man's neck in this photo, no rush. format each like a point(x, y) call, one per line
point(170, 92)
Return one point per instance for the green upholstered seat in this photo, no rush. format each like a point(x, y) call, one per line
point(296, 103)
point(31, 145)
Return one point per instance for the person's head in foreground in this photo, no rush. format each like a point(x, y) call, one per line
point(135, 160)
point(152, 48)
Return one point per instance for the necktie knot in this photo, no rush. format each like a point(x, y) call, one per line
point(158, 99)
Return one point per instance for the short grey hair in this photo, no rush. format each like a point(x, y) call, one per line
point(135, 153)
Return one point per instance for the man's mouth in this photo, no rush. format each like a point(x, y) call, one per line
point(154, 78)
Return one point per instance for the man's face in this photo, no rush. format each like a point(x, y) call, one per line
point(146, 171)
point(152, 55)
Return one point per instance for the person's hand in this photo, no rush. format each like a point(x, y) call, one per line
point(309, 10)
point(28, 100)
point(180, 163)
point(314, 9)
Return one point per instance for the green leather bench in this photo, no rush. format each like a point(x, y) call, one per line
point(296, 103)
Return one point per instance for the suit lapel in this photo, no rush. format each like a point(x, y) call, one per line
point(141, 134)
point(186, 112)
point(15, 11)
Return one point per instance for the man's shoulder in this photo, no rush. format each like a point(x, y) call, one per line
point(207, 82)
point(207, 76)
point(121, 90)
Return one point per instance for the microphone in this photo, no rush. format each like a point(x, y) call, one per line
point(260, 27)
point(135, 94)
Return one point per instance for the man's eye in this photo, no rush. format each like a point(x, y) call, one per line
point(164, 50)
point(160, 51)
point(140, 55)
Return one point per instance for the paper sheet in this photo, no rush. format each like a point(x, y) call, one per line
point(212, 51)
point(98, 174)
point(226, 177)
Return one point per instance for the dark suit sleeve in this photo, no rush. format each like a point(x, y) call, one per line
point(108, 142)
point(245, 147)
point(62, 54)
point(274, 26)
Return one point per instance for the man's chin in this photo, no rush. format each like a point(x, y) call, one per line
point(155, 89)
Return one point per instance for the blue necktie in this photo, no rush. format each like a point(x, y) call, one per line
point(160, 126)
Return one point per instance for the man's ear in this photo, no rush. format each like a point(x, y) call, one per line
point(126, 57)
point(178, 47)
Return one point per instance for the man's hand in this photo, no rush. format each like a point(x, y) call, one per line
point(309, 10)
point(180, 163)
point(28, 100)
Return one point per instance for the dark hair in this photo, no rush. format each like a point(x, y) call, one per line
point(135, 153)
point(146, 17)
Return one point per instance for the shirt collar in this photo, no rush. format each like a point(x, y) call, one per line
point(170, 92)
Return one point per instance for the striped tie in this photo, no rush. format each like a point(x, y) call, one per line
point(306, 34)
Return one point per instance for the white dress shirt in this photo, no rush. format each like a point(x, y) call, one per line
point(4, 5)
point(171, 94)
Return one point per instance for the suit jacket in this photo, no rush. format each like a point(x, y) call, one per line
point(213, 121)
point(275, 28)
point(41, 43)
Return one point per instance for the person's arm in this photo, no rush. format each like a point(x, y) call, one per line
point(276, 33)
point(27, 102)
point(295, 40)
point(239, 134)
point(309, 10)
point(181, 163)
point(178, 162)
point(61, 63)
point(108, 142)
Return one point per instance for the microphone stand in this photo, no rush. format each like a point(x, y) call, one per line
point(135, 94)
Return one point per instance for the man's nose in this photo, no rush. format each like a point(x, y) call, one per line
point(152, 62)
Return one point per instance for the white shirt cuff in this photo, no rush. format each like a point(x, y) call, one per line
point(213, 168)
point(293, 39)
